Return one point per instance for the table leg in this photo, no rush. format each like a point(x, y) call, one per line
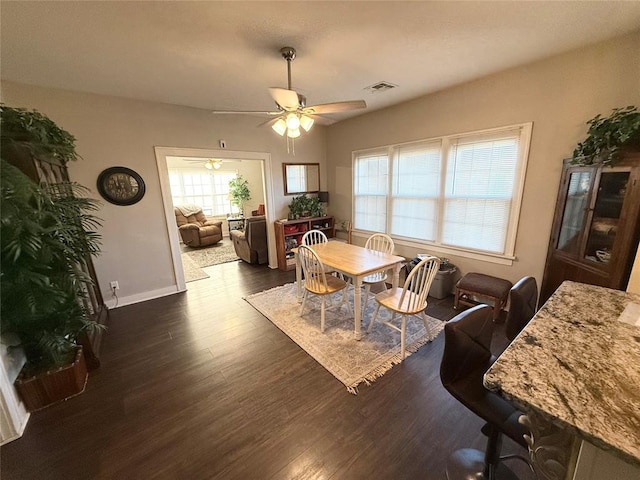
point(396, 275)
point(357, 313)
point(298, 277)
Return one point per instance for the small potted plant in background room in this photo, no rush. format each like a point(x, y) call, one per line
point(608, 137)
point(239, 192)
point(47, 235)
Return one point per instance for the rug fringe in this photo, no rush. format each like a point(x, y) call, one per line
point(386, 366)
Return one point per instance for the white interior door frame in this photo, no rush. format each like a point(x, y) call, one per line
point(163, 173)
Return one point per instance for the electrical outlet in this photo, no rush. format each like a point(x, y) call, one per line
point(223, 144)
point(115, 286)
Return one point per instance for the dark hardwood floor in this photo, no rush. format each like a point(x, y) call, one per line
point(200, 385)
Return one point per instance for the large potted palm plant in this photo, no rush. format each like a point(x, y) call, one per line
point(46, 234)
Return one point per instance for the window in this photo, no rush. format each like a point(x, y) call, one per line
point(209, 190)
point(461, 192)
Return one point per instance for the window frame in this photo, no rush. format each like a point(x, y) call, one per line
point(446, 144)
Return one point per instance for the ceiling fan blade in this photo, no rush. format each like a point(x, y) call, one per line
point(287, 99)
point(335, 107)
point(270, 121)
point(250, 112)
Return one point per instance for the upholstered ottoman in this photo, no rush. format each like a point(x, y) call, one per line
point(480, 286)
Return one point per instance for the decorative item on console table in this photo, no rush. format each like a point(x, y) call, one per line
point(289, 234)
point(303, 206)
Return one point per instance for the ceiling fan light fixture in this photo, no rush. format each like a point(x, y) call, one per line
point(293, 132)
point(306, 122)
point(280, 127)
point(213, 164)
point(293, 122)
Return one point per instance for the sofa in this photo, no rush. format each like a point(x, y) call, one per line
point(251, 244)
point(195, 229)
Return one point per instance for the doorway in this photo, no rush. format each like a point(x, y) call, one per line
point(230, 160)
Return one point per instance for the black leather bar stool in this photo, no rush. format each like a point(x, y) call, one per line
point(466, 358)
point(523, 302)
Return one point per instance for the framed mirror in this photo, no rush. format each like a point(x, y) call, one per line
point(301, 178)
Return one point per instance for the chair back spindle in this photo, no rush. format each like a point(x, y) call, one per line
point(418, 282)
point(380, 243)
point(313, 237)
point(313, 269)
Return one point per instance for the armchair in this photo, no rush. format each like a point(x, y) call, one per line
point(251, 245)
point(195, 229)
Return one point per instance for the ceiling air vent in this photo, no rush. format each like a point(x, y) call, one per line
point(380, 87)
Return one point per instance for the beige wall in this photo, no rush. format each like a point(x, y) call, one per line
point(114, 131)
point(558, 95)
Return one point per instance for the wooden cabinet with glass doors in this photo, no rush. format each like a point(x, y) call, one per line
point(596, 227)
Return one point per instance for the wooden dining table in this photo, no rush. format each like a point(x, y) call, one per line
point(355, 262)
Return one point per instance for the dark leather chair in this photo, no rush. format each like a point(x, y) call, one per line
point(523, 302)
point(466, 358)
point(251, 244)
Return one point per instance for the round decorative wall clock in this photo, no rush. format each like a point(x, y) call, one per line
point(121, 186)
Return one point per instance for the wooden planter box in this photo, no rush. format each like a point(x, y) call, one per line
point(53, 386)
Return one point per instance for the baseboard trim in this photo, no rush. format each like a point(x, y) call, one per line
point(141, 297)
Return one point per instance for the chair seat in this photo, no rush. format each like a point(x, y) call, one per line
point(334, 284)
point(391, 300)
point(375, 277)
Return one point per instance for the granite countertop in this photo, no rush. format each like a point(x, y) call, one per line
point(578, 365)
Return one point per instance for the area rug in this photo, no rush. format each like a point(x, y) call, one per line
point(222, 252)
point(192, 271)
point(350, 361)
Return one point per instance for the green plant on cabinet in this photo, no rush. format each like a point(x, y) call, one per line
point(607, 136)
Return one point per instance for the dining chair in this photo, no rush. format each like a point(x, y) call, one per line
point(523, 302)
point(317, 282)
point(409, 300)
point(313, 237)
point(382, 243)
point(466, 357)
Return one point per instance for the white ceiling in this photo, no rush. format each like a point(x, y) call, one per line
point(224, 55)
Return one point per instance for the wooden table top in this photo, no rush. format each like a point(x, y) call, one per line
point(352, 259)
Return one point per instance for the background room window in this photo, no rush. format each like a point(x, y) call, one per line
point(459, 192)
point(208, 190)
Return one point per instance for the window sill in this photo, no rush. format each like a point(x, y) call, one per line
point(443, 250)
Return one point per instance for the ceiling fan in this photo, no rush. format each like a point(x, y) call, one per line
point(292, 111)
point(211, 163)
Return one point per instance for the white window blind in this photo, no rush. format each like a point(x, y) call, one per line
point(415, 191)
point(371, 183)
point(478, 192)
point(459, 191)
